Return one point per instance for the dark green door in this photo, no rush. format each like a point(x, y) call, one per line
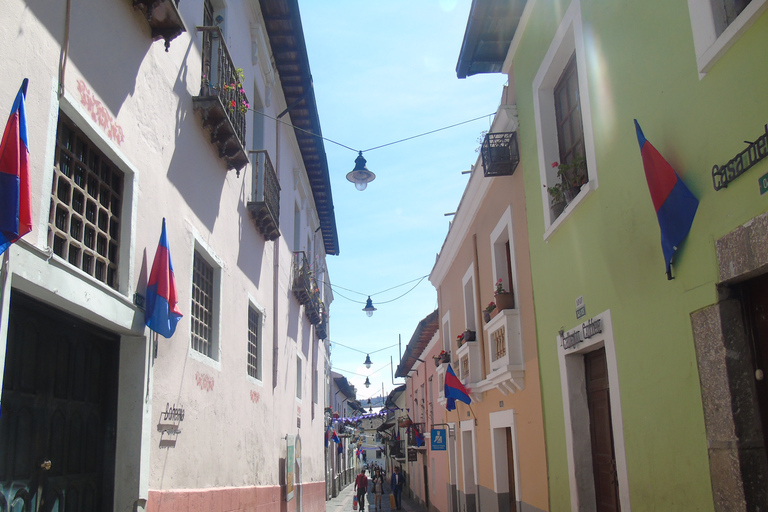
point(59, 405)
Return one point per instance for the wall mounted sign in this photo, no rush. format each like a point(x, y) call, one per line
point(581, 309)
point(724, 174)
point(763, 183)
point(438, 439)
point(588, 329)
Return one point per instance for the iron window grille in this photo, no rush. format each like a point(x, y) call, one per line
point(86, 202)
point(202, 306)
point(254, 343)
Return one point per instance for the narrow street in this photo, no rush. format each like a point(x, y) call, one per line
point(343, 502)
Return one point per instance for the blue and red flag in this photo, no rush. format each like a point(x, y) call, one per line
point(397, 437)
point(15, 194)
point(327, 435)
point(336, 438)
point(454, 390)
point(162, 312)
point(675, 205)
point(419, 437)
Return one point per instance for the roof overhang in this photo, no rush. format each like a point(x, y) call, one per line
point(289, 51)
point(419, 341)
point(490, 29)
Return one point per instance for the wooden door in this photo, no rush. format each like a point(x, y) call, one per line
point(511, 470)
point(601, 432)
point(755, 299)
point(59, 408)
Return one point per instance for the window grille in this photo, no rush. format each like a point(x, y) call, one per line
point(570, 130)
point(86, 202)
point(202, 306)
point(254, 343)
point(499, 343)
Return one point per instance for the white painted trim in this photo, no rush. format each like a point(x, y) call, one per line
point(582, 485)
point(470, 318)
point(446, 331)
point(708, 45)
point(504, 227)
point(569, 38)
point(207, 252)
point(502, 420)
point(469, 426)
point(252, 302)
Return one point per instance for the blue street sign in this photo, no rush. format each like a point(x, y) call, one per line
point(438, 439)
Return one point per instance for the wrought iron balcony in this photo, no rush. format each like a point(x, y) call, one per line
point(221, 103)
point(302, 286)
point(500, 154)
point(265, 200)
point(163, 18)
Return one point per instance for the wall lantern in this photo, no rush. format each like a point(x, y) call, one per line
point(360, 175)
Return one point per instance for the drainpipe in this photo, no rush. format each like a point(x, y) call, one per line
point(478, 306)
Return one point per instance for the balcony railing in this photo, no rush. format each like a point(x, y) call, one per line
point(302, 286)
point(163, 18)
point(221, 103)
point(500, 154)
point(265, 201)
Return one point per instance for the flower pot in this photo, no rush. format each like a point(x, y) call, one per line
point(505, 300)
point(486, 316)
point(469, 335)
point(557, 209)
point(571, 193)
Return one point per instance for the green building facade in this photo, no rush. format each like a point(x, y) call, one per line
point(653, 394)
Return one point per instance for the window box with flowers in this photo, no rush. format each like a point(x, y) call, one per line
point(572, 177)
point(503, 299)
point(442, 358)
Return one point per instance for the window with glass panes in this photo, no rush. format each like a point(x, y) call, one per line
point(254, 343)
point(570, 130)
point(202, 306)
point(86, 202)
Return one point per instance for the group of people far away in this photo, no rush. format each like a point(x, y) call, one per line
point(377, 482)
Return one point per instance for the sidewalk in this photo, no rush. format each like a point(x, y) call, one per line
point(343, 502)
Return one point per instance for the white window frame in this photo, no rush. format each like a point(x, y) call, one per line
point(500, 235)
point(576, 412)
point(447, 340)
point(499, 422)
point(299, 377)
point(708, 44)
point(208, 254)
point(470, 482)
point(569, 38)
point(468, 281)
point(262, 320)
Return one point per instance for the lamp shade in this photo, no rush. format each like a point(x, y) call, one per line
point(360, 175)
point(368, 364)
point(369, 309)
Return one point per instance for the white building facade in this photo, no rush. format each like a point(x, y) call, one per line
point(97, 412)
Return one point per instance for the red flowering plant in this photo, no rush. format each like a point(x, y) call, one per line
point(460, 339)
point(499, 289)
point(490, 307)
point(239, 101)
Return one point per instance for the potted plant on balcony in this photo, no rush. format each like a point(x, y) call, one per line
point(557, 199)
point(504, 299)
point(460, 339)
point(239, 102)
point(487, 311)
point(442, 357)
point(469, 335)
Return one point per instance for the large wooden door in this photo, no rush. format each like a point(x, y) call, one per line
point(601, 432)
point(59, 408)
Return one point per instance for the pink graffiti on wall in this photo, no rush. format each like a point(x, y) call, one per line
point(204, 381)
point(100, 114)
point(255, 397)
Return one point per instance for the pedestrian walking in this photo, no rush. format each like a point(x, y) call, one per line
point(361, 486)
point(396, 486)
point(378, 489)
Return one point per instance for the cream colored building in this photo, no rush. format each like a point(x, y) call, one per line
point(124, 132)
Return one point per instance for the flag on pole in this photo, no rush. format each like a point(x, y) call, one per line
point(336, 438)
point(15, 195)
point(454, 390)
point(162, 312)
point(419, 437)
point(675, 205)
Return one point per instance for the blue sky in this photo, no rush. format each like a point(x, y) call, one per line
point(384, 71)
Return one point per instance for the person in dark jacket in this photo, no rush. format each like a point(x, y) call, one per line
point(396, 486)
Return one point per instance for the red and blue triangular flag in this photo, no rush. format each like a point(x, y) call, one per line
point(336, 438)
point(675, 205)
point(162, 312)
point(15, 194)
point(454, 390)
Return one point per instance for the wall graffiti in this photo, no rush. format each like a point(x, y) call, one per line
point(100, 114)
point(255, 397)
point(204, 381)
